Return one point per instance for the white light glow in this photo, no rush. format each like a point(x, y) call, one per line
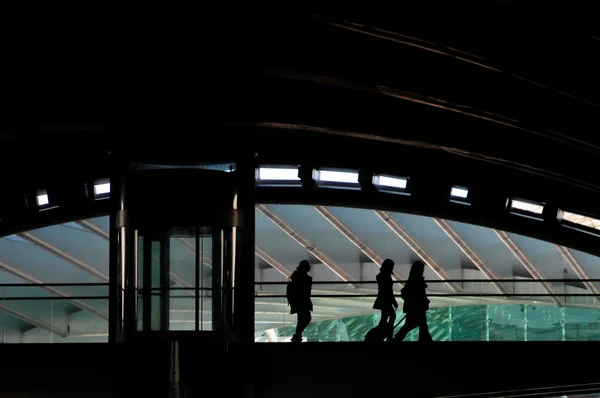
point(393, 182)
point(278, 174)
point(101, 189)
point(42, 199)
point(581, 220)
point(338, 176)
point(527, 206)
point(459, 192)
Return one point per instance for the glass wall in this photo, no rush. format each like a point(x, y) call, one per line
point(181, 278)
point(483, 284)
point(54, 284)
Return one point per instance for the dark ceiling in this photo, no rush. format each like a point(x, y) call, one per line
point(509, 84)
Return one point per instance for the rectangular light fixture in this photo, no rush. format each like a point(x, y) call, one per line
point(102, 189)
point(459, 192)
point(580, 219)
point(390, 182)
point(42, 199)
point(527, 206)
point(277, 174)
point(344, 177)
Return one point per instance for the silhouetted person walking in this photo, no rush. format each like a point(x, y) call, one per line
point(298, 295)
point(416, 304)
point(385, 301)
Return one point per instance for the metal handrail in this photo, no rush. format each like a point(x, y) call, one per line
point(443, 281)
point(50, 284)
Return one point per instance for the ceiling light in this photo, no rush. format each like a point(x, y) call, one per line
point(531, 207)
point(278, 174)
point(580, 219)
point(42, 199)
point(345, 177)
point(391, 182)
point(459, 192)
point(102, 189)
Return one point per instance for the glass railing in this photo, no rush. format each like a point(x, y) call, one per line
point(465, 310)
point(53, 313)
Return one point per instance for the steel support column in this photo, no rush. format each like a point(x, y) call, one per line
point(243, 247)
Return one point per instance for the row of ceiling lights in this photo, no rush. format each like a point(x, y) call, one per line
point(101, 191)
point(289, 176)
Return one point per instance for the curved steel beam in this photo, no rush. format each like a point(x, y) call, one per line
point(533, 269)
point(93, 228)
point(420, 144)
point(438, 49)
point(353, 238)
point(272, 262)
point(31, 279)
point(308, 245)
point(61, 254)
point(471, 254)
point(192, 247)
point(34, 321)
point(440, 104)
point(578, 269)
point(104, 235)
point(403, 234)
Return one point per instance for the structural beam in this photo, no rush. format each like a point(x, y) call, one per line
point(191, 247)
point(59, 253)
point(272, 262)
point(31, 279)
point(471, 254)
point(34, 321)
point(308, 245)
point(93, 228)
point(104, 235)
point(403, 234)
point(533, 269)
point(353, 238)
point(578, 269)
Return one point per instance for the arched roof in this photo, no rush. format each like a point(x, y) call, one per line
point(344, 245)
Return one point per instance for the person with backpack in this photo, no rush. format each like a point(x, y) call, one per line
point(416, 304)
point(298, 295)
point(385, 301)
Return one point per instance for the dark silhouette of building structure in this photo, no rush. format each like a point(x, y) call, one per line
point(178, 109)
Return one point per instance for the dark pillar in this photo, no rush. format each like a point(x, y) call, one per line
point(115, 325)
point(243, 306)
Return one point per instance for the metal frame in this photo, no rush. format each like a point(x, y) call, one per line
point(471, 254)
point(533, 269)
point(353, 238)
point(302, 241)
point(578, 269)
point(411, 242)
point(59, 253)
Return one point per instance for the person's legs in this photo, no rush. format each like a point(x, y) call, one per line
point(409, 325)
point(304, 319)
point(424, 334)
point(387, 314)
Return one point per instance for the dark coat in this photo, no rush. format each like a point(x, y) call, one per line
point(414, 296)
point(385, 292)
point(301, 301)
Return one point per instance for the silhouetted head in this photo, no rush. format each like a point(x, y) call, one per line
point(387, 266)
point(304, 266)
point(417, 270)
